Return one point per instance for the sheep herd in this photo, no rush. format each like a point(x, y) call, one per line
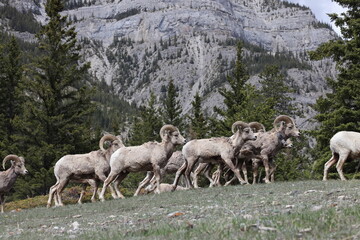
point(250, 143)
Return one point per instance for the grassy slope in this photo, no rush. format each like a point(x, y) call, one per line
point(284, 210)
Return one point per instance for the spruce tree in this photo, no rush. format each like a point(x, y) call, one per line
point(275, 90)
point(198, 124)
point(243, 102)
point(146, 127)
point(10, 97)
point(55, 119)
point(172, 108)
point(340, 109)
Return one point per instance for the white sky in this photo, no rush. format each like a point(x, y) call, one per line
point(320, 8)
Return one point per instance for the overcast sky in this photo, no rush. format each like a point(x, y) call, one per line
point(320, 8)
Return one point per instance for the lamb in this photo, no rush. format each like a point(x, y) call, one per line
point(215, 150)
point(164, 187)
point(270, 143)
point(151, 156)
point(79, 167)
point(343, 145)
point(8, 177)
point(174, 163)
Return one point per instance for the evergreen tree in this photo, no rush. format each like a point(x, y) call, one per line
point(146, 127)
point(340, 109)
point(10, 97)
point(275, 90)
point(55, 119)
point(243, 102)
point(198, 123)
point(172, 107)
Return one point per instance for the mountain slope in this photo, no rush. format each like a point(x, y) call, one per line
point(139, 46)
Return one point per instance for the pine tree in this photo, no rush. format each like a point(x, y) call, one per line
point(275, 91)
point(55, 119)
point(340, 109)
point(172, 108)
point(243, 102)
point(146, 127)
point(10, 97)
point(198, 123)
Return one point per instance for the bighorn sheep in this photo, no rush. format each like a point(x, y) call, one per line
point(79, 167)
point(8, 177)
point(164, 187)
point(174, 163)
point(151, 156)
point(215, 150)
point(343, 145)
point(206, 168)
point(268, 144)
point(256, 163)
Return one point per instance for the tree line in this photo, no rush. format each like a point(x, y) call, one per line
point(47, 104)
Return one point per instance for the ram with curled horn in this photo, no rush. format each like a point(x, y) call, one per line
point(268, 144)
point(150, 156)
point(89, 168)
point(8, 177)
point(216, 150)
point(206, 168)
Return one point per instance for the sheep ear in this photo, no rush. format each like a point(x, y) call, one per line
point(12, 162)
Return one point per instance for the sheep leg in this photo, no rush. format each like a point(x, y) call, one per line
point(117, 182)
point(112, 176)
point(82, 193)
point(267, 168)
point(216, 180)
point(255, 167)
point(60, 188)
point(117, 190)
point(340, 164)
point(197, 171)
point(334, 158)
point(95, 186)
point(235, 170)
point(145, 181)
point(215, 177)
point(179, 172)
point(51, 194)
point(2, 202)
point(272, 171)
point(242, 165)
point(220, 171)
point(156, 169)
point(190, 164)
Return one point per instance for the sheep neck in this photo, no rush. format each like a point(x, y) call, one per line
point(169, 147)
point(9, 179)
point(236, 142)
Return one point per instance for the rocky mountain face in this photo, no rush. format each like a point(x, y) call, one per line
point(139, 46)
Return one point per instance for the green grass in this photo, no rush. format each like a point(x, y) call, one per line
point(283, 210)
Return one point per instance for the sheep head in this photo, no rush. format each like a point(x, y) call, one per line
point(287, 126)
point(116, 142)
point(243, 130)
point(257, 127)
point(169, 133)
point(18, 163)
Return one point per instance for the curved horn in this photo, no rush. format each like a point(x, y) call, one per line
point(258, 126)
point(284, 118)
point(167, 127)
point(10, 157)
point(106, 137)
point(238, 124)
